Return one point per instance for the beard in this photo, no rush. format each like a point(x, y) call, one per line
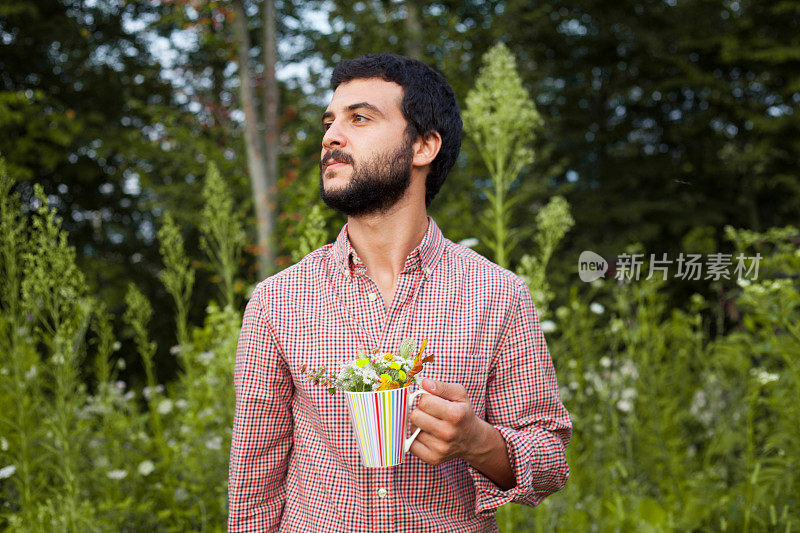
point(376, 184)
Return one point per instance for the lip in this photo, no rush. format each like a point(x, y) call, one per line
point(334, 164)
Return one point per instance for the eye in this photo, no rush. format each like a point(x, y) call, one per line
point(325, 126)
point(360, 119)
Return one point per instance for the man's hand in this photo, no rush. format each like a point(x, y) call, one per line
point(450, 428)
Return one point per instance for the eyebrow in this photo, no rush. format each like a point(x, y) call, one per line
point(353, 107)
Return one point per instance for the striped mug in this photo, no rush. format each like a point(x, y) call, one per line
point(379, 422)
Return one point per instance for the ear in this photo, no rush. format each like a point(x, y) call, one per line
point(426, 148)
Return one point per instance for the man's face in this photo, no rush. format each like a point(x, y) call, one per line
point(365, 163)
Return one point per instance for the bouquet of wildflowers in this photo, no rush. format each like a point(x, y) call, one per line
point(372, 371)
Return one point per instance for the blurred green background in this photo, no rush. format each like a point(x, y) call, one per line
point(136, 135)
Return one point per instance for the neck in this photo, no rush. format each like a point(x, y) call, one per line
point(383, 241)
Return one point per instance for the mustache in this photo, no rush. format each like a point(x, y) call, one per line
point(337, 155)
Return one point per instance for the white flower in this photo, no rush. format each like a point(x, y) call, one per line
point(181, 404)
point(117, 345)
point(117, 474)
point(743, 282)
point(101, 462)
point(181, 494)
point(121, 363)
point(165, 406)
point(205, 357)
point(214, 443)
point(57, 358)
point(146, 468)
point(30, 374)
point(624, 405)
point(3, 444)
point(763, 376)
point(469, 242)
point(7, 471)
point(596, 308)
point(605, 362)
point(548, 326)
point(130, 395)
point(148, 391)
point(175, 350)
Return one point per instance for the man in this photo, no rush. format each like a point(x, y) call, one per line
point(493, 428)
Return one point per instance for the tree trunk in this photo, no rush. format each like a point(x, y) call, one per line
point(414, 40)
point(271, 105)
point(256, 164)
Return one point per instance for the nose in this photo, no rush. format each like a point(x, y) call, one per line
point(334, 137)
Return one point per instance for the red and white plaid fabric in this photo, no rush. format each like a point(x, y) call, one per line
point(294, 465)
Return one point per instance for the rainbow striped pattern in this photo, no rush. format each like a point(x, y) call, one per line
point(379, 422)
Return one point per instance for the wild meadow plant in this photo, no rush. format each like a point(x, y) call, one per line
point(75, 460)
point(675, 430)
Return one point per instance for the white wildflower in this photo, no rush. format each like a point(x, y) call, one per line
point(121, 363)
point(175, 350)
point(7, 471)
point(205, 357)
point(468, 242)
point(214, 443)
point(146, 468)
point(117, 474)
point(763, 376)
point(743, 282)
point(58, 358)
point(596, 308)
point(101, 462)
point(605, 362)
point(548, 326)
point(625, 406)
point(165, 407)
point(3, 444)
point(181, 494)
point(130, 395)
point(628, 393)
point(116, 346)
point(31, 373)
point(181, 404)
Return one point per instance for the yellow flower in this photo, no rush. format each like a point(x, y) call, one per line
point(386, 378)
point(363, 362)
point(394, 365)
point(388, 356)
point(402, 375)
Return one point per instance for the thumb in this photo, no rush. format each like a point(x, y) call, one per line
point(448, 391)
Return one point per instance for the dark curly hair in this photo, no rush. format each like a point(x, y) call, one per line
point(428, 105)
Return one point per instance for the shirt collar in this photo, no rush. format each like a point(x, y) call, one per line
point(424, 257)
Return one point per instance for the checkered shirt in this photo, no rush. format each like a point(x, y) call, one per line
point(294, 465)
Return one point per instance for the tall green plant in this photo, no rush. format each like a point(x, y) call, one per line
point(312, 233)
point(502, 120)
point(222, 234)
point(553, 221)
point(178, 275)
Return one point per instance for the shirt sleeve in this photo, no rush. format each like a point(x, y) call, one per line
point(523, 404)
point(262, 426)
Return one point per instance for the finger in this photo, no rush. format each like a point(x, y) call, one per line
point(429, 424)
point(423, 452)
point(443, 389)
point(438, 408)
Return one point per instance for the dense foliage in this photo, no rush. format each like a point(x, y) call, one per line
point(648, 126)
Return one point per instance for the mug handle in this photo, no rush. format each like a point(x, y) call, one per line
point(410, 440)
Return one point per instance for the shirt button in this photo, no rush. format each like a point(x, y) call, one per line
point(382, 492)
point(372, 296)
point(427, 271)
